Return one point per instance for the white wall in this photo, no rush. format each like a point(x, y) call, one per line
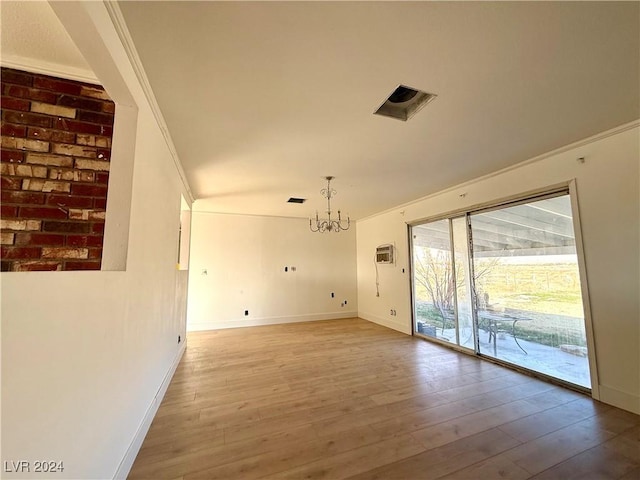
point(84, 354)
point(608, 199)
point(245, 256)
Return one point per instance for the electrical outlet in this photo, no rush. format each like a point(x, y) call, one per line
point(246, 313)
point(333, 295)
point(286, 269)
point(345, 302)
point(179, 339)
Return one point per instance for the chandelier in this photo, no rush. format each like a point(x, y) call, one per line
point(328, 225)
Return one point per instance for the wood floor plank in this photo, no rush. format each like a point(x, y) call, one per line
point(493, 467)
point(598, 462)
point(348, 398)
point(467, 425)
point(277, 461)
point(438, 462)
point(631, 475)
point(549, 450)
point(354, 461)
point(539, 424)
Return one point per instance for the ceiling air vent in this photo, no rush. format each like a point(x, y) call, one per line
point(404, 103)
point(296, 200)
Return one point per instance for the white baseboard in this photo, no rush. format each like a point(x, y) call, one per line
point(255, 322)
point(386, 323)
point(617, 398)
point(134, 448)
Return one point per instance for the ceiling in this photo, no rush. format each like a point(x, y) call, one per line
point(32, 35)
point(263, 100)
point(543, 227)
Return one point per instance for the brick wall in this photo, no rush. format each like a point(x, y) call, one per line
point(56, 147)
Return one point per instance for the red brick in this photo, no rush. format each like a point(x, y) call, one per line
point(97, 228)
point(48, 83)
point(28, 198)
point(97, 216)
point(109, 107)
point(80, 103)
point(17, 77)
point(66, 227)
point(65, 252)
point(52, 135)
point(11, 183)
point(79, 127)
point(82, 266)
point(9, 211)
point(31, 119)
point(5, 266)
point(11, 156)
point(36, 266)
point(10, 130)
point(84, 240)
point(70, 201)
point(9, 103)
point(89, 190)
point(16, 143)
point(43, 212)
point(20, 252)
point(100, 203)
point(102, 177)
point(32, 94)
point(95, 91)
point(92, 117)
point(50, 209)
point(41, 239)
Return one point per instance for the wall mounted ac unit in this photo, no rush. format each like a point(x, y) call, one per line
point(384, 253)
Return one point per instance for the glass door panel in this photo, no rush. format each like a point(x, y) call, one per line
point(433, 281)
point(527, 288)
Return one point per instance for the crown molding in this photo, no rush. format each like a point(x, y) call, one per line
point(43, 67)
point(119, 23)
point(580, 143)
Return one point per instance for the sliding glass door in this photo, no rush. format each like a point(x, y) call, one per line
point(504, 283)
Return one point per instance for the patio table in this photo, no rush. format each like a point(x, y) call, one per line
point(495, 319)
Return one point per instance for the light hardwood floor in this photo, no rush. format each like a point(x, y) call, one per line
point(350, 399)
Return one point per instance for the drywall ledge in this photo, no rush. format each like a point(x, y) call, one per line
point(96, 50)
